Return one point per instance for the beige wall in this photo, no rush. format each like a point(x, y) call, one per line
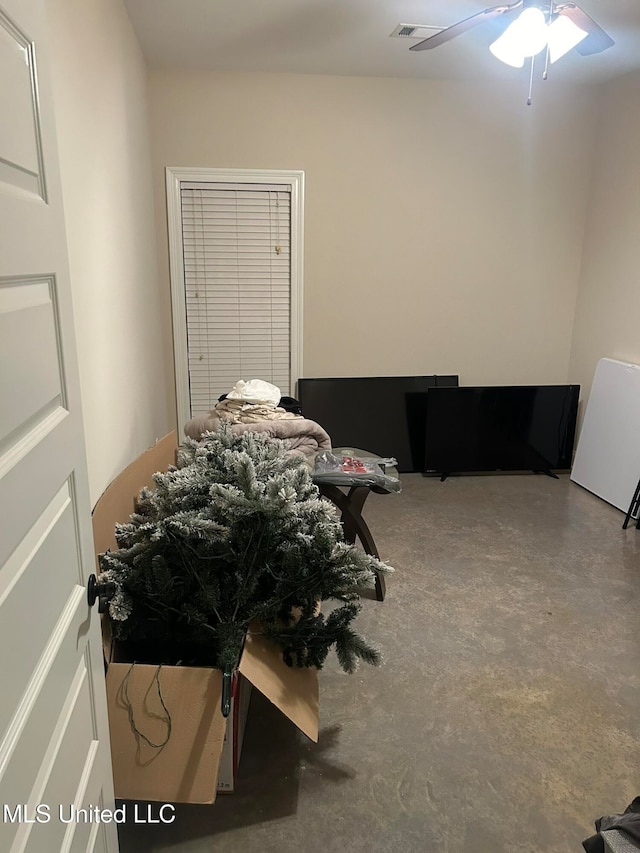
point(100, 90)
point(607, 321)
point(444, 221)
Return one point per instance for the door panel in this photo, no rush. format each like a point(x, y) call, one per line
point(72, 751)
point(33, 589)
point(33, 729)
point(28, 337)
point(20, 142)
point(54, 743)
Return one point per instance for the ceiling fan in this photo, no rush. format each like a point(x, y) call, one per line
point(596, 39)
point(556, 27)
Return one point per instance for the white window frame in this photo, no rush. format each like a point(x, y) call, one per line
point(175, 175)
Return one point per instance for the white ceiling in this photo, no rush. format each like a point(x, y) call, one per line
point(352, 38)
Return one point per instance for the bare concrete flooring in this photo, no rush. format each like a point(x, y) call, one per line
point(506, 714)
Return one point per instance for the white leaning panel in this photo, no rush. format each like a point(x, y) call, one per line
point(607, 460)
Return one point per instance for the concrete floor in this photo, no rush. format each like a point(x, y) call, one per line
point(506, 714)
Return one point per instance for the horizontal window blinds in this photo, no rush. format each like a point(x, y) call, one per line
point(236, 246)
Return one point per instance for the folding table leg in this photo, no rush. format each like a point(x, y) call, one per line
point(354, 525)
point(634, 507)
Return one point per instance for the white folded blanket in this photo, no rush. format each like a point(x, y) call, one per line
point(241, 412)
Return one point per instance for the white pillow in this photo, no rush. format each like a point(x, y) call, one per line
point(255, 391)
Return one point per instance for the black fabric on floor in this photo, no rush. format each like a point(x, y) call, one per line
point(628, 823)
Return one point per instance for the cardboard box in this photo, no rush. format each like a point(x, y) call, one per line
point(199, 757)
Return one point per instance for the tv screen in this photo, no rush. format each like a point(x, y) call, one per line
point(385, 415)
point(501, 428)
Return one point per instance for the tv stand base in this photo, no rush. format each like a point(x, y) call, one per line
point(546, 471)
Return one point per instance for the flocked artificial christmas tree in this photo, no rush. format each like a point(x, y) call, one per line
point(236, 535)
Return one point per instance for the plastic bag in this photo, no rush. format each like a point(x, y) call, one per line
point(332, 469)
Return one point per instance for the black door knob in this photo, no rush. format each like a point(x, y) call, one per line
point(103, 591)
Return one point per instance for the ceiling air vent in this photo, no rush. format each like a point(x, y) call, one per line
point(414, 31)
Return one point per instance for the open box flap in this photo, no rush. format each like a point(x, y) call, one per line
point(117, 502)
point(186, 768)
point(292, 689)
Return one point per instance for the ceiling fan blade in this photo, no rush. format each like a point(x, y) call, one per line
point(463, 26)
point(597, 40)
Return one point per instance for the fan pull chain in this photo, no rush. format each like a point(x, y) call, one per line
point(530, 96)
point(545, 73)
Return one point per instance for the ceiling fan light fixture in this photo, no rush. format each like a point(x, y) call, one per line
point(505, 50)
point(557, 27)
point(525, 36)
point(531, 32)
point(563, 35)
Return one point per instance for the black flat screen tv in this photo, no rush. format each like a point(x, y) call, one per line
point(385, 415)
point(501, 428)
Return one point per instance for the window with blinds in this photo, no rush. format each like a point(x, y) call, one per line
point(237, 276)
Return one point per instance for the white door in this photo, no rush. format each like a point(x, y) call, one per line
point(54, 745)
